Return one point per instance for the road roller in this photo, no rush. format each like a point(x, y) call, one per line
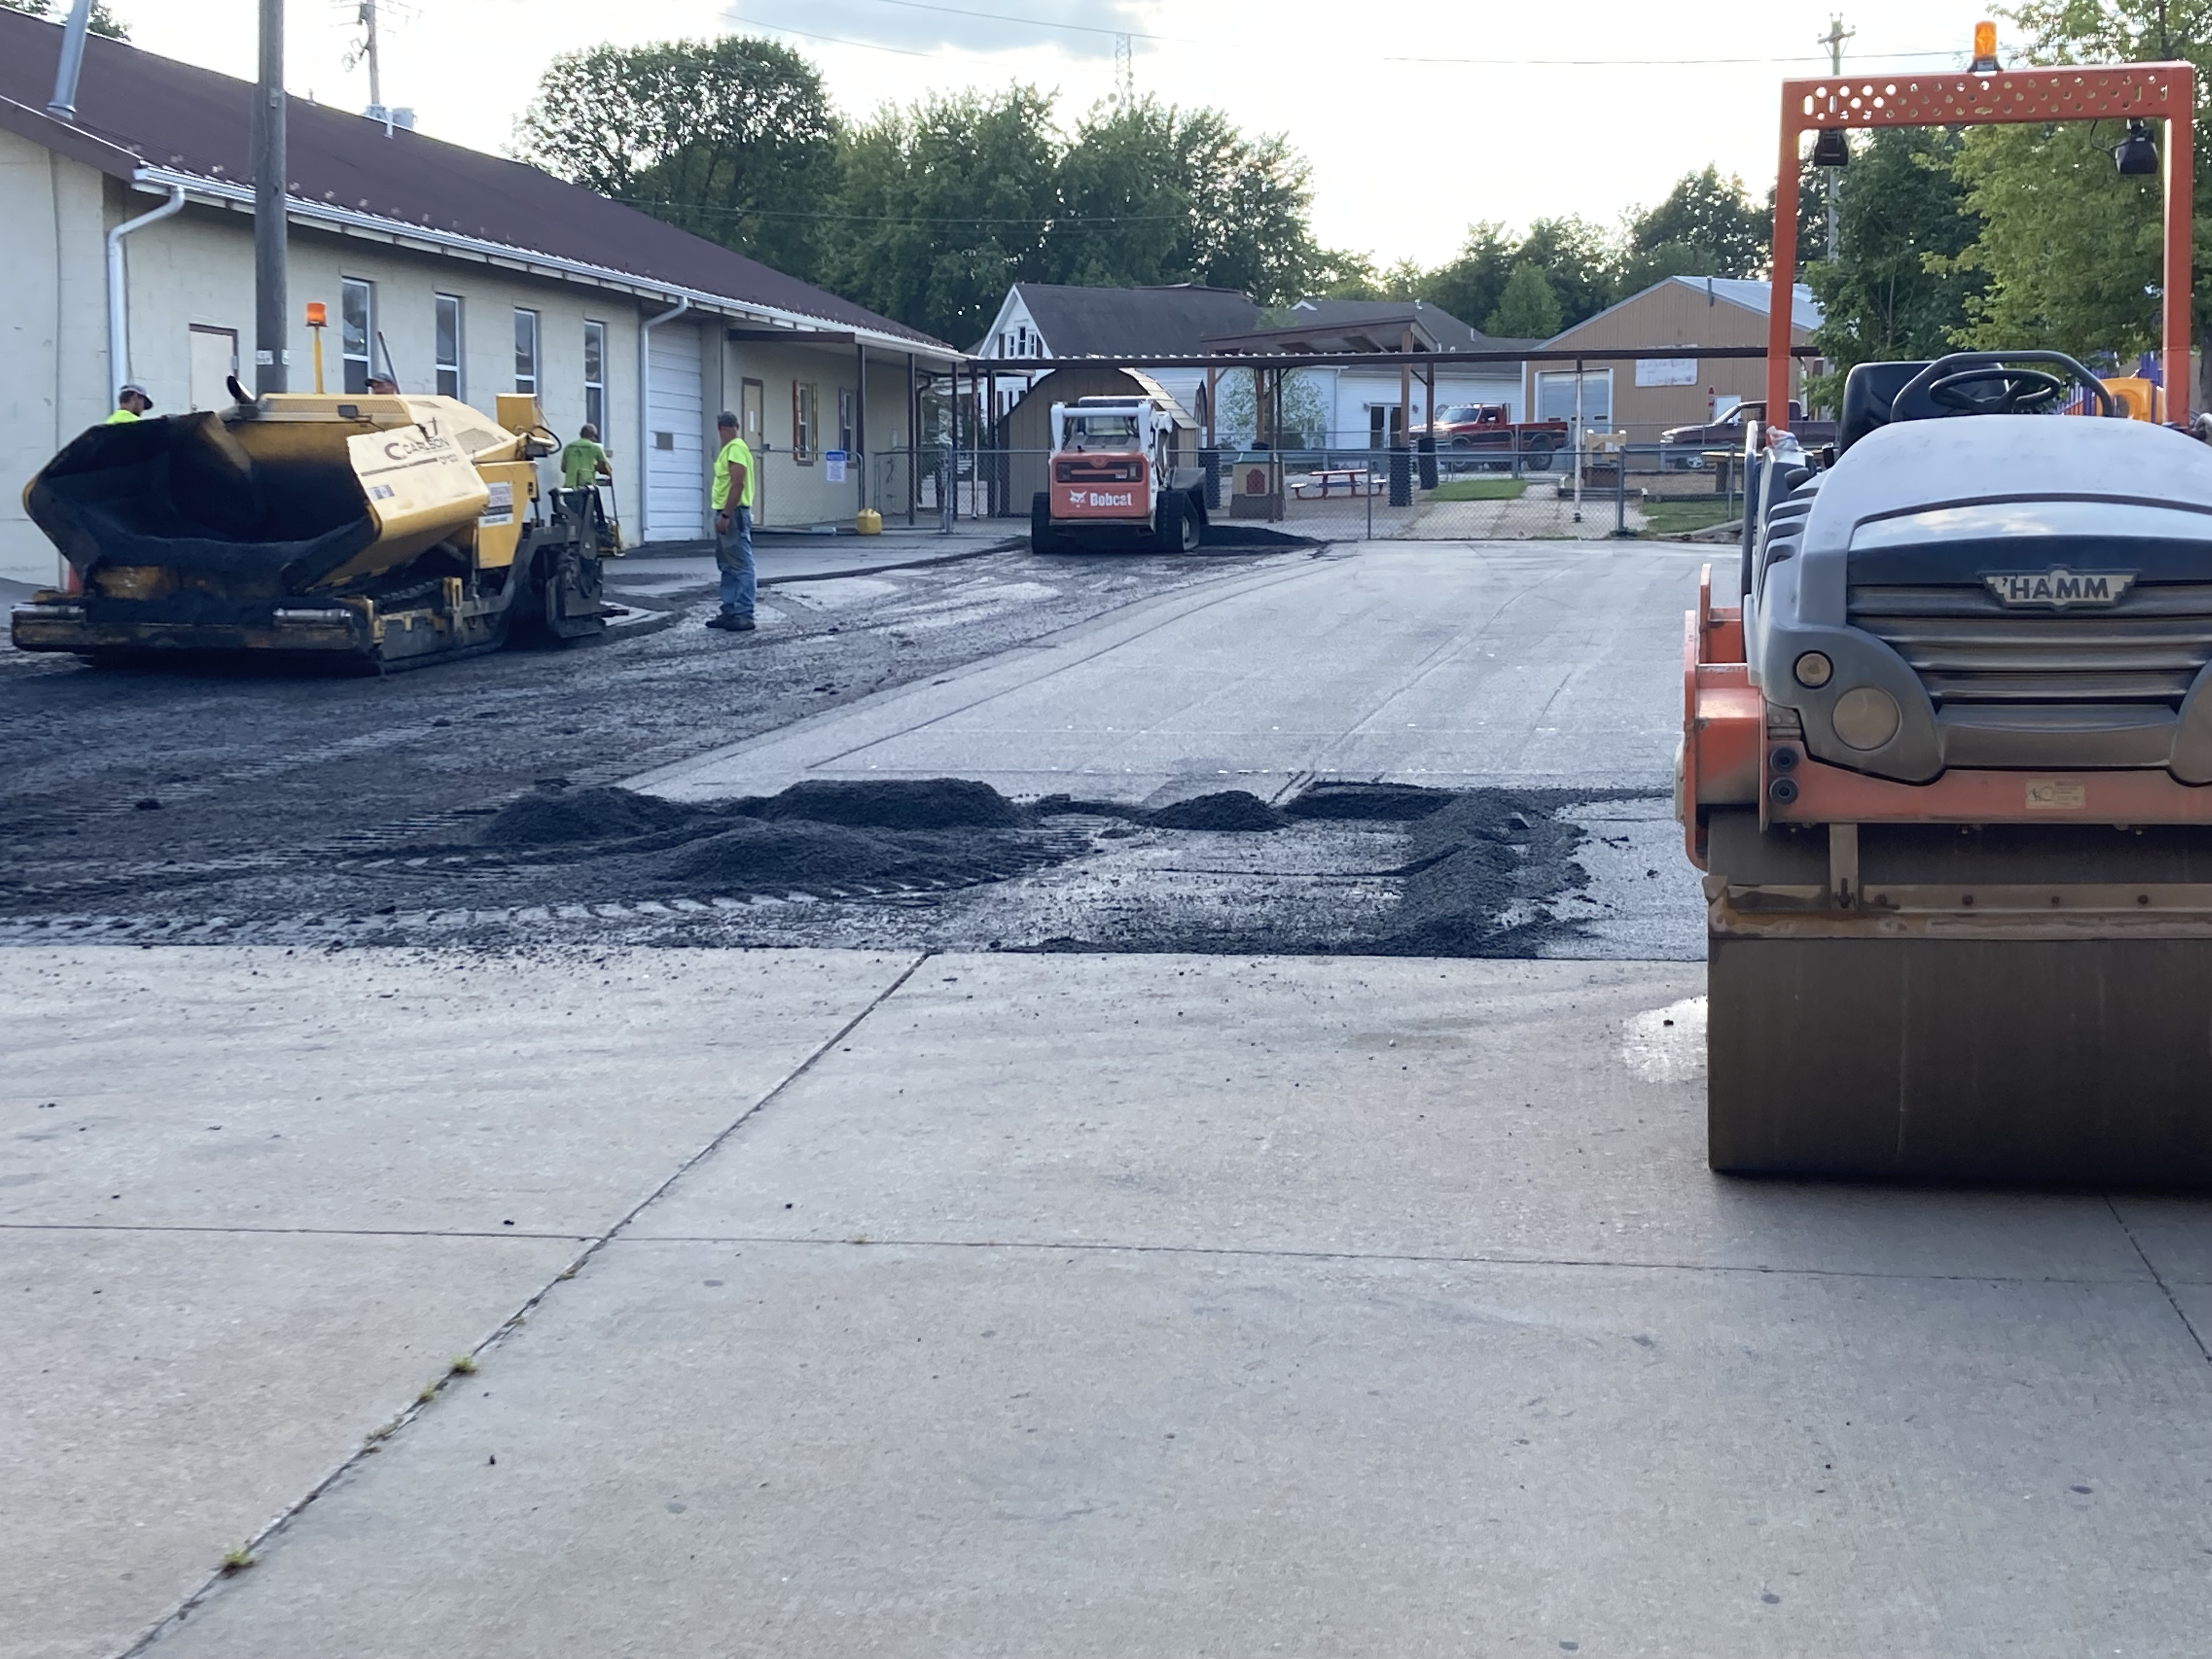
point(1946, 745)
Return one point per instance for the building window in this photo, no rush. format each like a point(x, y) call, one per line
point(1022, 341)
point(844, 419)
point(526, 351)
point(356, 328)
point(595, 376)
point(804, 419)
point(448, 332)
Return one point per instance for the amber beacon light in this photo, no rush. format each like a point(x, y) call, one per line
point(1986, 49)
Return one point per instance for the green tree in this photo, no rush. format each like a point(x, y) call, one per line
point(1710, 217)
point(1527, 310)
point(1305, 414)
point(1250, 201)
point(1123, 212)
point(1897, 290)
point(941, 206)
point(1579, 261)
point(2070, 251)
point(1340, 274)
point(102, 20)
point(1470, 284)
point(732, 139)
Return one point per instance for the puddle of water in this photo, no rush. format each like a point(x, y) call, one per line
point(1666, 1045)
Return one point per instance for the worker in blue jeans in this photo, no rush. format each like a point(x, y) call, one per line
point(734, 527)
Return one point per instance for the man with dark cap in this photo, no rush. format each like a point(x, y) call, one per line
point(734, 527)
point(130, 403)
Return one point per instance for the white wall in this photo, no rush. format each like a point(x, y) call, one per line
point(53, 330)
point(197, 268)
point(794, 493)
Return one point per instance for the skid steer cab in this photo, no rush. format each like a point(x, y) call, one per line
point(1114, 481)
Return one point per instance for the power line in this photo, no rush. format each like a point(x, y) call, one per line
point(1054, 219)
point(1119, 35)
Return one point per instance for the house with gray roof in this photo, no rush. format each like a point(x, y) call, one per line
point(1060, 319)
point(462, 273)
point(1359, 407)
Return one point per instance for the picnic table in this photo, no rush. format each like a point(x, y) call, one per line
point(1326, 481)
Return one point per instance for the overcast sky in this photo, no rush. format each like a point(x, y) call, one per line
point(1418, 116)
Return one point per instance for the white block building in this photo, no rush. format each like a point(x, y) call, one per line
point(468, 274)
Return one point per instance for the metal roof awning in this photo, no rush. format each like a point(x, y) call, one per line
point(1374, 359)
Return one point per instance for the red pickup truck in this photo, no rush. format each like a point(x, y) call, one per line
point(1685, 446)
point(1488, 428)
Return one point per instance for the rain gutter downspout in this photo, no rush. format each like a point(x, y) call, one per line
point(644, 412)
point(119, 300)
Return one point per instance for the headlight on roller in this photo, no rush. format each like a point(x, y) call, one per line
point(1866, 718)
point(1813, 669)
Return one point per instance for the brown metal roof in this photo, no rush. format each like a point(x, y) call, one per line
point(135, 108)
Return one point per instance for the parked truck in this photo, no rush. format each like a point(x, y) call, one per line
point(1116, 481)
point(1686, 446)
point(1489, 430)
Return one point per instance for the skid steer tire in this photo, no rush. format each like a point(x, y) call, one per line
point(1176, 525)
point(1043, 539)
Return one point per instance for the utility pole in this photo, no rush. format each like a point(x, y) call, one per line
point(1834, 40)
point(376, 68)
point(272, 358)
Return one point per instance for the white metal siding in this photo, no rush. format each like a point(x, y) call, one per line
point(676, 456)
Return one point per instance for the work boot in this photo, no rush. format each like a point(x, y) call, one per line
point(739, 624)
point(724, 620)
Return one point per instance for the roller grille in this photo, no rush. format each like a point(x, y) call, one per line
point(1968, 648)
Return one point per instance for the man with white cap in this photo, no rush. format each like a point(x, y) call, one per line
point(131, 403)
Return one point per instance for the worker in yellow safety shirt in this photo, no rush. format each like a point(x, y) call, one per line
point(131, 403)
point(584, 460)
point(583, 463)
point(734, 527)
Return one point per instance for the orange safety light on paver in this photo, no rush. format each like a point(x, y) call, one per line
point(1946, 739)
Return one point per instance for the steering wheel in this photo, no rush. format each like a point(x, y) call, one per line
point(2018, 391)
point(1943, 386)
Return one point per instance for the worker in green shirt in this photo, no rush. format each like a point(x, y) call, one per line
point(584, 461)
point(130, 403)
point(734, 527)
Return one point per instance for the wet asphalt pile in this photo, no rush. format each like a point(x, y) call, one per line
point(942, 863)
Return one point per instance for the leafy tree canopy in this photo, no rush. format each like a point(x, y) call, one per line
point(733, 139)
point(2067, 252)
point(1710, 216)
point(1527, 310)
point(102, 20)
point(1897, 290)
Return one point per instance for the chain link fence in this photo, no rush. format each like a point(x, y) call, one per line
point(1624, 482)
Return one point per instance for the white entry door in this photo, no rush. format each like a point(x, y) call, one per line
point(215, 360)
point(675, 424)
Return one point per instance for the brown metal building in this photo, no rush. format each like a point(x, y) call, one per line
point(1643, 398)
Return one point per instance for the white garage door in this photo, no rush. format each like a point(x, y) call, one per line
point(675, 422)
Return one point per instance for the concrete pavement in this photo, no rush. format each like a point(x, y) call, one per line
point(1059, 1304)
point(1552, 663)
point(665, 569)
point(252, 1202)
